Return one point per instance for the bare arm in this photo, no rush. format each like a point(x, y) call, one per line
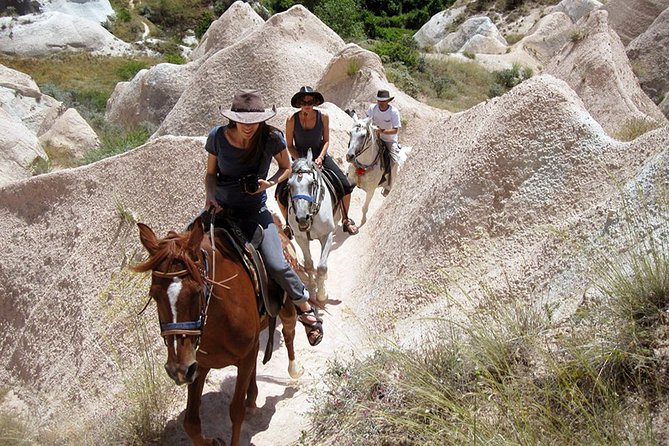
point(281, 174)
point(290, 129)
point(210, 182)
point(326, 138)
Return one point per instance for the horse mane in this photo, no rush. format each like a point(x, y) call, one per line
point(175, 247)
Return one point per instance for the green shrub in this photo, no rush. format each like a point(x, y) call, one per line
point(509, 78)
point(514, 38)
point(342, 16)
point(353, 67)
point(129, 69)
point(203, 24)
point(176, 59)
point(402, 51)
point(115, 140)
point(469, 55)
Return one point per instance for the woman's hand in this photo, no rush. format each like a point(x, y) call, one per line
point(263, 185)
point(319, 161)
point(212, 202)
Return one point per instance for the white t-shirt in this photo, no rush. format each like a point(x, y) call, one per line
point(389, 119)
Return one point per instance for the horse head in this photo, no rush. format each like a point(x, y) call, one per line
point(177, 287)
point(362, 138)
point(305, 191)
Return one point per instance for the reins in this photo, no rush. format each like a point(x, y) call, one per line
point(317, 192)
point(366, 145)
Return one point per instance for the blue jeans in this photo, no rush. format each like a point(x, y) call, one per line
point(272, 252)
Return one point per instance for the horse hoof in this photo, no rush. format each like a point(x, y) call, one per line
point(295, 369)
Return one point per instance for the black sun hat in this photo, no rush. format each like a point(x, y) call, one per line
point(384, 95)
point(248, 108)
point(306, 91)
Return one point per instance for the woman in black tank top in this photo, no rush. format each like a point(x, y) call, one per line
point(310, 129)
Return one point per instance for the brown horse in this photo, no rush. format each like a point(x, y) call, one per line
point(209, 319)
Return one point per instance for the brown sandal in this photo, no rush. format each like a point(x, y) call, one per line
point(314, 329)
point(288, 231)
point(349, 226)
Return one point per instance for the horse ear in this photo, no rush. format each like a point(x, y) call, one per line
point(196, 235)
point(148, 238)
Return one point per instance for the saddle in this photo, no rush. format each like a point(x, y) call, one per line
point(333, 184)
point(227, 228)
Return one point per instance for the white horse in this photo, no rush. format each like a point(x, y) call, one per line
point(310, 210)
point(366, 166)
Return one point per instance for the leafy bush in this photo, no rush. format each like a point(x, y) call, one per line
point(203, 24)
point(509, 78)
point(116, 140)
point(128, 70)
point(403, 51)
point(342, 16)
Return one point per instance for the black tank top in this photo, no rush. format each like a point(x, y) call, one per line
point(308, 139)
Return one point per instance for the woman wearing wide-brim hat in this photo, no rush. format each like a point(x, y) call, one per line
point(240, 154)
point(310, 129)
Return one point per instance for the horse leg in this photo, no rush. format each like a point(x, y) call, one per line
point(288, 316)
point(322, 271)
point(245, 369)
point(192, 424)
point(303, 242)
point(252, 390)
point(365, 206)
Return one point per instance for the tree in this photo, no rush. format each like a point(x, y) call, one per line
point(342, 16)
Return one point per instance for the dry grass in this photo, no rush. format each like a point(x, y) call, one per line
point(510, 375)
point(635, 127)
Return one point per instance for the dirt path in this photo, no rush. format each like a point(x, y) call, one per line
point(283, 402)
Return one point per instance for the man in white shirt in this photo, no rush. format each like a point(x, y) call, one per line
point(387, 119)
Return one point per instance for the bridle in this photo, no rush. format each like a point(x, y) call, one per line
point(316, 193)
point(361, 168)
point(189, 328)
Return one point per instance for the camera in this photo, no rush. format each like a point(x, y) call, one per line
point(249, 183)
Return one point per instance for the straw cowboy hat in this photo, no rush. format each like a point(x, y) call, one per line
point(306, 91)
point(248, 108)
point(384, 95)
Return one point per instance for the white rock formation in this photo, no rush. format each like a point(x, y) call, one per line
point(576, 9)
point(548, 36)
point(278, 58)
point(236, 22)
point(480, 44)
point(438, 27)
point(649, 56)
point(598, 70)
point(37, 35)
point(150, 95)
point(629, 18)
point(71, 134)
point(19, 148)
point(483, 26)
point(31, 121)
point(94, 10)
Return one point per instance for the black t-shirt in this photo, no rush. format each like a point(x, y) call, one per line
point(231, 168)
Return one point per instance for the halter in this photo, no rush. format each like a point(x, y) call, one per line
point(366, 145)
point(190, 328)
point(317, 191)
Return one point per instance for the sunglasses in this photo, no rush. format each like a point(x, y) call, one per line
point(312, 102)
